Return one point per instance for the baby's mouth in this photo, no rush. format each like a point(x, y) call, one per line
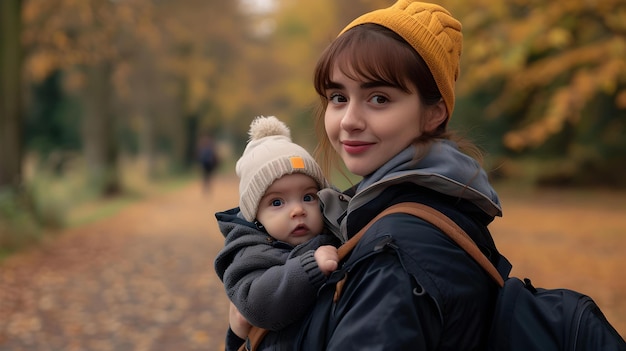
point(301, 229)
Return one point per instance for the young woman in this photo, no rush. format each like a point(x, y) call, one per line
point(387, 93)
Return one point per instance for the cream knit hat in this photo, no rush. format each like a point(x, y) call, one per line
point(269, 155)
point(432, 32)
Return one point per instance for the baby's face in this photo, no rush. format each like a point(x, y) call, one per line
point(290, 209)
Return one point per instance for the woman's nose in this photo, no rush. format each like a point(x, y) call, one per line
point(352, 118)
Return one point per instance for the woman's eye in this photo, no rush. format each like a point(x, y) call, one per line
point(276, 202)
point(379, 99)
point(337, 98)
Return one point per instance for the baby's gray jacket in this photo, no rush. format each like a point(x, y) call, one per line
point(272, 283)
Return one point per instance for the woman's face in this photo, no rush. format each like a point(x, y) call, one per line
point(370, 122)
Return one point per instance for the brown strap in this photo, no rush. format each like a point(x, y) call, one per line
point(345, 249)
point(427, 213)
point(456, 233)
point(255, 336)
point(349, 245)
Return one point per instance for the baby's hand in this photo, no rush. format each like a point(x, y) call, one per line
point(238, 324)
point(327, 259)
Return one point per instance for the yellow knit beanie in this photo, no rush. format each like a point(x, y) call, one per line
point(432, 32)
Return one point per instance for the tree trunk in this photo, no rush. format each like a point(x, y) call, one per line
point(10, 96)
point(147, 145)
point(99, 142)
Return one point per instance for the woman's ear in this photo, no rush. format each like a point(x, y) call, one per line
point(435, 116)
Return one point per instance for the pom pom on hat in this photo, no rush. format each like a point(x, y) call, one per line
point(432, 31)
point(262, 127)
point(269, 155)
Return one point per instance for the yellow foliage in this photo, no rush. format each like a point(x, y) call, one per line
point(553, 58)
point(40, 65)
point(566, 105)
point(547, 60)
point(559, 38)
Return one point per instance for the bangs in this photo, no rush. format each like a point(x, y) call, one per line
point(365, 53)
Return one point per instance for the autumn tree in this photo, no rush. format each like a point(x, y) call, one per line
point(200, 59)
point(554, 73)
point(82, 38)
point(10, 96)
point(113, 56)
point(279, 55)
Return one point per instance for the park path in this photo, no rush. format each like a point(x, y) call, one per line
point(141, 280)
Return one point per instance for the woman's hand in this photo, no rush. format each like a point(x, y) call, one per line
point(327, 258)
point(238, 324)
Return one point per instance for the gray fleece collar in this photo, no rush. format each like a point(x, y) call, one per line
point(444, 169)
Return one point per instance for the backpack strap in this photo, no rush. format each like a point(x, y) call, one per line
point(455, 232)
point(255, 336)
point(347, 247)
point(439, 220)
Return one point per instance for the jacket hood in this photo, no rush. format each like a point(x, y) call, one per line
point(232, 221)
point(444, 169)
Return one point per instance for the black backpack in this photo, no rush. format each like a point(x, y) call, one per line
point(528, 318)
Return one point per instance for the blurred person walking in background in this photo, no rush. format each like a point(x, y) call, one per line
point(208, 158)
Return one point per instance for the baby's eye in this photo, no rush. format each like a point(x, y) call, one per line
point(309, 197)
point(276, 202)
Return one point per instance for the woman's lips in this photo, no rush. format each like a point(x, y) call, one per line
point(356, 147)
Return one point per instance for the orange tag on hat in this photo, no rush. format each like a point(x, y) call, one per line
point(297, 162)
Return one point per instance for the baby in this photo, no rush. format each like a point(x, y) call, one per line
point(274, 259)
